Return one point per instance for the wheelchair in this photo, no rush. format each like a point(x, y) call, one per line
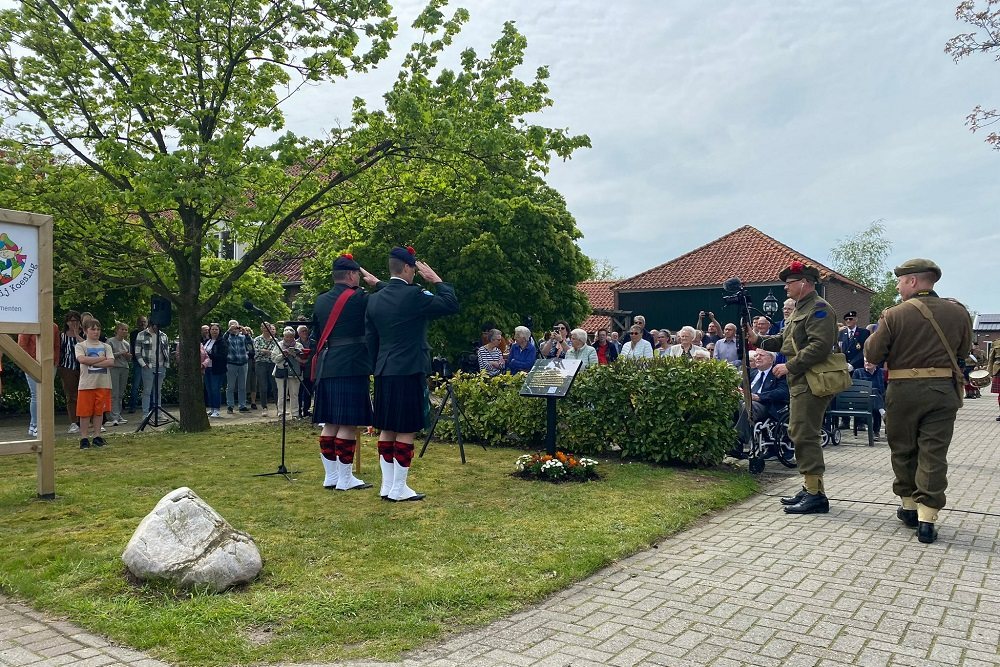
point(770, 441)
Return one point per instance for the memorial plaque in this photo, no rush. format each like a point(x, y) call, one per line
point(551, 378)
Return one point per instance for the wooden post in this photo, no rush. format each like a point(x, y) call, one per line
point(30, 292)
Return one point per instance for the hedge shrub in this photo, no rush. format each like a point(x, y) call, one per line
point(665, 410)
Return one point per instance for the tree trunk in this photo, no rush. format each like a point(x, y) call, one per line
point(190, 381)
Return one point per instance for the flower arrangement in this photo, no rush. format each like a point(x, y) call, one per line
point(560, 467)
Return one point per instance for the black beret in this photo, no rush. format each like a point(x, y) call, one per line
point(405, 255)
point(346, 263)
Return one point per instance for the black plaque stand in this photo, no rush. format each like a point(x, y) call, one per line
point(550, 379)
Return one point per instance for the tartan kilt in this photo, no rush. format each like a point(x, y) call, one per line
point(400, 402)
point(995, 388)
point(343, 401)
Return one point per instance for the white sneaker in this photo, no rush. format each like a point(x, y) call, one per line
point(73, 428)
point(104, 430)
point(263, 413)
point(214, 413)
point(122, 420)
point(32, 432)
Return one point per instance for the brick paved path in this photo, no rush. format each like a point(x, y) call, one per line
point(749, 586)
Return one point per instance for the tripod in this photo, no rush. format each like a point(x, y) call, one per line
point(456, 409)
point(155, 409)
point(290, 371)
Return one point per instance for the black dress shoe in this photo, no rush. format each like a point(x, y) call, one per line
point(332, 487)
point(384, 497)
point(810, 504)
point(926, 532)
point(908, 517)
point(791, 500)
point(358, 487)
point(414, 497)
point(998, 419)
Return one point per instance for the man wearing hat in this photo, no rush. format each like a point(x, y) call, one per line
point(341, 368)
point(852, 343)
point(921, 339)
point(852, 340)
point(806, 340)
point(396, 331)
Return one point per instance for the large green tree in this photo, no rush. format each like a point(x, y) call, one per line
point(863, 257)
point(161, 103)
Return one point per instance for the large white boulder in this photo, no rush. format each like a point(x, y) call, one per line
point(187, 542)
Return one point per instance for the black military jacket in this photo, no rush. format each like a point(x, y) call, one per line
point(396, 326)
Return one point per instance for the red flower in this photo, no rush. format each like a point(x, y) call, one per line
point(797, 266)
point(411, 250)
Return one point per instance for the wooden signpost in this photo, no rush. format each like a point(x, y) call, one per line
point(26, 308)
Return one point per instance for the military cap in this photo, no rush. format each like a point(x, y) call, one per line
point(851, 313)
point(917, 265)
point(797, 270)
point(346, 263)
point(406, 255)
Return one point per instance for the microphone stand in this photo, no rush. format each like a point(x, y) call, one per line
point(289, 370)
point(153, 416)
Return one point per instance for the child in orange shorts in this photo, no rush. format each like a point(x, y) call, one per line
point(94, 396)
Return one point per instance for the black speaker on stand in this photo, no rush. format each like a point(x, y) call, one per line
point(159, 316)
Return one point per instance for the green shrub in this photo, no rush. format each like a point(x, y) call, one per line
point(667, 410)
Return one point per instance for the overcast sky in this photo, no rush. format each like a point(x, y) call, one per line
point(807, 120)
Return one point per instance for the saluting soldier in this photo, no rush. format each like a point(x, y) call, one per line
point(922, 340)
point(396, 331)
point(342, 367)
point(807, 339)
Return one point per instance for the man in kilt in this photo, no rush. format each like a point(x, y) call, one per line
point(396, 329)
point(994, 370)
point(342, 369)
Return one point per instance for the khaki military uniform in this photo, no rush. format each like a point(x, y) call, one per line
point(812, 329)
point(922, 397)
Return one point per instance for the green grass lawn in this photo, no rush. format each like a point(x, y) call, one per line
point(345, 574)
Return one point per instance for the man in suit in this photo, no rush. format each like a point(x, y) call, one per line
point(396, 333)
point(342, 367)
point(768, 393)
point(851, 341)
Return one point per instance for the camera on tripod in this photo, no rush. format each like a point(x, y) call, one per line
point(441, 368)
point(735, 294)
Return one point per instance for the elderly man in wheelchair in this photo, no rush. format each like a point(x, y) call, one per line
point(767, 437)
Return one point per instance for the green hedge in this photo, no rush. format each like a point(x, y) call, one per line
point(665, 410)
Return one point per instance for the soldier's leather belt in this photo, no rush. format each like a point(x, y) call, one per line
point(341, 342)
point(919, 373)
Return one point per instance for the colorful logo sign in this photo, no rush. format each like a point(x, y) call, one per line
point(12, 260)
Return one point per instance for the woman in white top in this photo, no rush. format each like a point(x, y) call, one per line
point(637, 347)
point(685, 348)
point(580, 350)
point(288, 382)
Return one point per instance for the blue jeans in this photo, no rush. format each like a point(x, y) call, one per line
point(33, 403)
point(236, 380)
point(213, 390)
point(136, 375)
point(147, 387)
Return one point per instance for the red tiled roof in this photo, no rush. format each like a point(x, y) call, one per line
point(600, 296)
point(598, 292)
point(288, 270)
point(595, 322)
point(746, 252)
point(286, 263)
